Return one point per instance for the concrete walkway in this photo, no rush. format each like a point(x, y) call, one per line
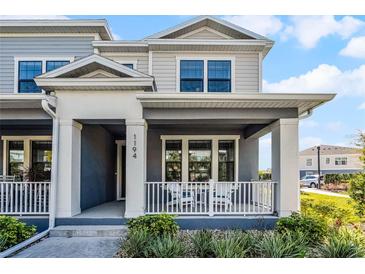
point(75, 247)
point(324, 192)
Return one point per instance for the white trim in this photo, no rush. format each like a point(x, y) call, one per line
point(120, 144)
point(40, 58)
point(133, 62)
point(185, 153)
point(202, 29)
point(96, 36)
point(99, 71)
point(205, 59)
point(260, 72)
point(27, 148)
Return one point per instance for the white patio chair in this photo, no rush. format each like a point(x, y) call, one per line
point(222, 194)
point(180, 196)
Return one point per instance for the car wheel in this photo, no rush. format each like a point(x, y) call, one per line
point(313, 185)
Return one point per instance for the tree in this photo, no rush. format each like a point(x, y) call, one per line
point(357, 183)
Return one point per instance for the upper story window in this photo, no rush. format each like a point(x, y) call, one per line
point(192, 75)
point(309, 162)
point(52, 65)
point(27, 71)
point(340, 161)
point(327, 161)
point(205, 74)
point(131, 66)
point(219, 76)
point(27, 68)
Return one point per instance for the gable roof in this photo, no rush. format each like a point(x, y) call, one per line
point(99, 26)
point(215, 23)
point(330, 150)
point(91, 63)
point(95, 73)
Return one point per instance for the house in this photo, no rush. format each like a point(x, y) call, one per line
point(333, 160)
point(110, 130)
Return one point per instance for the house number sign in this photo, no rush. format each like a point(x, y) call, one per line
point(134, 147)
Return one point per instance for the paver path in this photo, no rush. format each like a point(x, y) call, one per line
point(324, 192)
point(75, 247)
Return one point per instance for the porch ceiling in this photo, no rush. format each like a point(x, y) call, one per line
point(301, 101)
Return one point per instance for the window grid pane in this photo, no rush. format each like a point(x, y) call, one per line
point(226, 158)
point(42, 160)
point(16, 158)
point(52, 65)
point(27, 71)
point(200, 161)
point(191, 75)
point(219, 76)
point(173, 150)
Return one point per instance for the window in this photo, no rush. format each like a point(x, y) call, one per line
point(192, 75)
point(219, 76)
point(226, 161)
point(131, 66)
point(42, 159)
point(327, 161)
point(27, 71)
point(309, 162)
point(16, 158)
point(173, 161)
point(52, 65)
point(200, 160)
point(340, 161)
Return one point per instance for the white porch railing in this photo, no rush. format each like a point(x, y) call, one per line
point(24, 198)
point(210, 198)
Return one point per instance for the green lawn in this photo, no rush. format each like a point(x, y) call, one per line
point(340, 203)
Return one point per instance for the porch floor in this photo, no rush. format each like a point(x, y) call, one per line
point(114, 209)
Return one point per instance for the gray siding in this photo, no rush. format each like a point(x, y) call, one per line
point(98, 151)
point(248, 152)
point(204, 34)
point(246, 70)
point(37, 46)
point(141, 58)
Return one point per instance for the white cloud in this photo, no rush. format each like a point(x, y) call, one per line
point(308, 123)
point(355, 48)
point(309, 141)
point(362, 106)
point(33, 17)
point(335, 126)
point(324, 78)
point(261, 24)
point(308, 30)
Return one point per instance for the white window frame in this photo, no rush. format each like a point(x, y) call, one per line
point(341, 161)
point(328, 161)
point(205, 59)
point(309, 160)
point(133, 62)
point(42, 59)
point(185, 153)
point(27, 140)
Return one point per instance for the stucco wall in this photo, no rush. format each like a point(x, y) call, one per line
point(98, 152)
point(248, 151)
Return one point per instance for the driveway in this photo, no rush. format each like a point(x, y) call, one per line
point(75, 247)
point(324, 192)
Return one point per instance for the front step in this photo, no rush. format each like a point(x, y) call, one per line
point(89, 231)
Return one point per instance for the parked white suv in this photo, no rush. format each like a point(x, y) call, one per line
point(310, 181)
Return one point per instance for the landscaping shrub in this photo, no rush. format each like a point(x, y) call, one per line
point(357, 192)
point(135, 244)
point(13, 231)
point(155, 225)
point(166, 246)
point(202, 242)
point(343, 243)
point(313, 229)
point(282, 245)
point(232, 245)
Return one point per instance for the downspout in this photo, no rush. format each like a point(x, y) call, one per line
point(54, 168)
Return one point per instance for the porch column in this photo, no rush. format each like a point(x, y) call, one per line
point(136, 138)
point(69, 160)
point(285, 165)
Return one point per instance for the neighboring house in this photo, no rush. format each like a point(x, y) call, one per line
point(169, 123)
point(333, 160)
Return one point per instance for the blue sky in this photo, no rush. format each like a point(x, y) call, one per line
point(311, 54)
